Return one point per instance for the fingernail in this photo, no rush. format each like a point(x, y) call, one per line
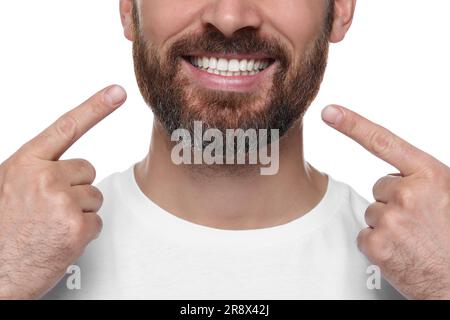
point(332, 115)
point(115, 95)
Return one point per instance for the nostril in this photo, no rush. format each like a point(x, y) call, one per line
point(231, 16)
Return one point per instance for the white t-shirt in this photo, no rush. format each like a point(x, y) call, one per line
point(145, 252)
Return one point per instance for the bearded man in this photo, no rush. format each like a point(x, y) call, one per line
point(221, 229)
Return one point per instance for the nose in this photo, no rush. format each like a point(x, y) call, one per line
point(229, 16)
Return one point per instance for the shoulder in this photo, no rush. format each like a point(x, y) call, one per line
point(112, 182)
point(350, 203)
point(114, 187)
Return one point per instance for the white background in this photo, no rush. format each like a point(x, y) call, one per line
point(393, 68)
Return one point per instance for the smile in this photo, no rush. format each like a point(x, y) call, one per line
point(230, 67)
point(229, 72)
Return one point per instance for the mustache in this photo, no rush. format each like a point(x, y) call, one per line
point(244, 41)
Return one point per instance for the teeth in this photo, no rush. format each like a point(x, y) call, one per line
point(213, 63)
point(222, 65)
point(233, 67)
point(250, 65)
point(243, 65)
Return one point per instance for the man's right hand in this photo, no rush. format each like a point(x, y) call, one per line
point(48, 207)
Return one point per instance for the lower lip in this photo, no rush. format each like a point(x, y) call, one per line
point(228, 83)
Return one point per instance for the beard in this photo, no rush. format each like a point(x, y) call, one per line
point(177, 103)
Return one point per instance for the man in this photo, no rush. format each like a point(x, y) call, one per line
point(218, 229)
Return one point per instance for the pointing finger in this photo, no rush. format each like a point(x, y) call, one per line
point(59, 136)
point(378, 140)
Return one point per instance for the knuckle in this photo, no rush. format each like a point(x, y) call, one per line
point(369, 211)
point(439, 174)
point(380, 144)
point(7, 181)
point(360, 240)
point(404, 197)
point(97, 104)
point(352, 126)
point(372, 241)
point(66, 127)
point(7, 188)
point(62, 200)
point(93, 225)
point(76, 227)
point(378, 185)
point(98, 224)
point(377, 248)
point(87, 167)
point(433, 173)
point(46, 177)
point(97, 194)
point(390, 220)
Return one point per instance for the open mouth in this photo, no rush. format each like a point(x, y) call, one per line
point(230, 72)
point(229, 67)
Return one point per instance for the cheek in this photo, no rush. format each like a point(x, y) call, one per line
point(297, 22)
point(162, 20)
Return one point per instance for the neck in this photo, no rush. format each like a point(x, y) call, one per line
point(225, 198)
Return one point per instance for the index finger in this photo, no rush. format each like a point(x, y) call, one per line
point(51, 143)
point(378, 140)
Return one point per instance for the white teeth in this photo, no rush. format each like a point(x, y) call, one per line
point(250, 65)
point(243, 65)
point(233, 67)
point(205, 62)
point(213, 63)
point(222, 64)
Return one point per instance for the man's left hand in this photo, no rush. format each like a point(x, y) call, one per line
point(409, 224)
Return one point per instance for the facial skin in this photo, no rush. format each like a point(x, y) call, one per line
point(266, 31)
